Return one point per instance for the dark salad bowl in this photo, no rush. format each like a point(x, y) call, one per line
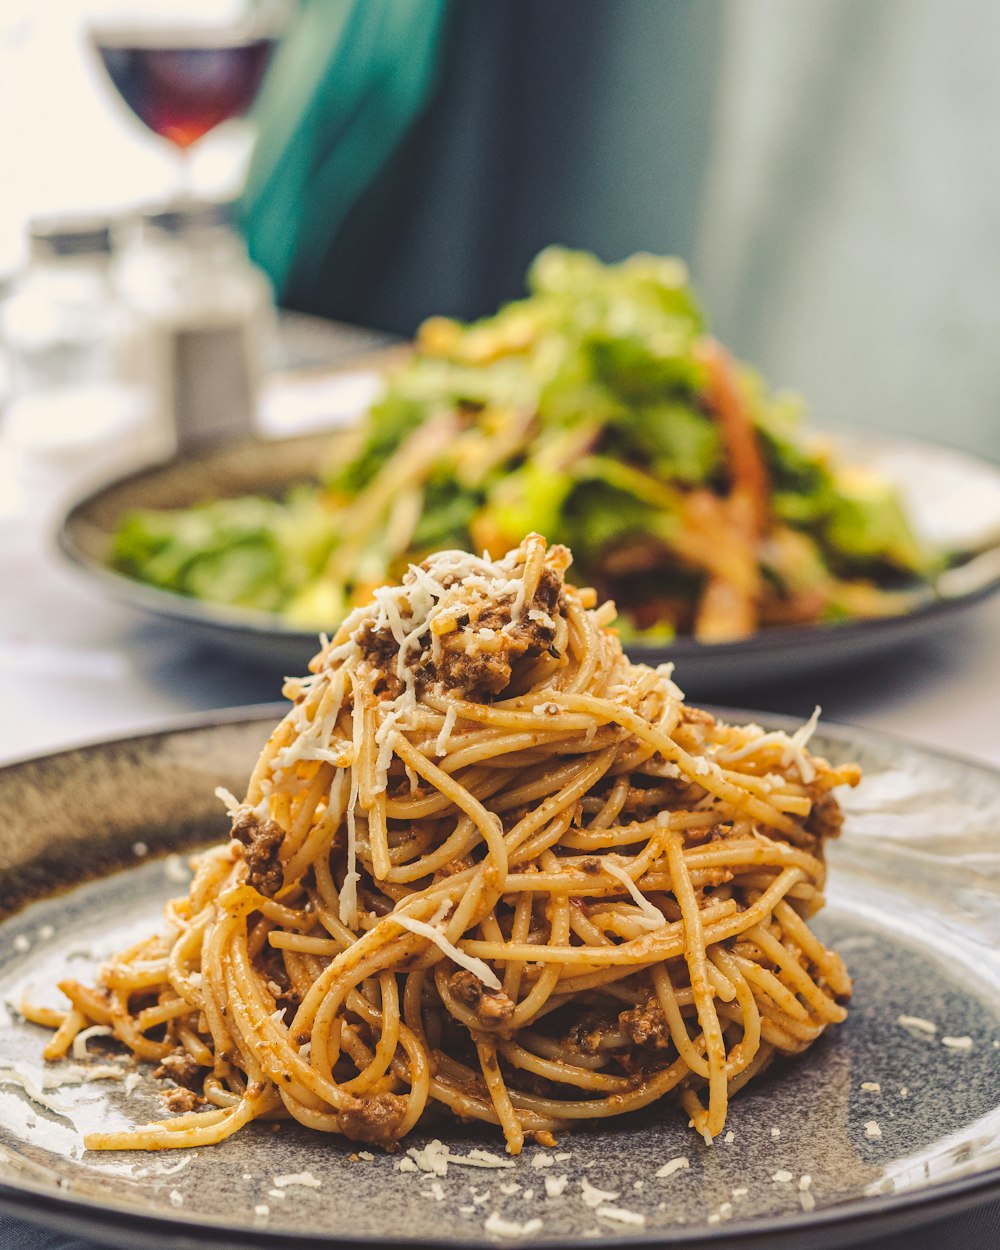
point(953, 497)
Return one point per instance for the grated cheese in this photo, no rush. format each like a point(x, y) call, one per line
point(10, 1075)
point(672, 1166)
point(499, 1227)
point(649, 911)
point(872, 1130)
point(483, 1159)
point(957, 1043)
point(555, 1185)
point(594, 1197)
point(230, 800)
point(793, 749)
point(917, 1024)
point(163, 1169)
point(176, 1198)
point(79, 1048)
point(476, 966)
point(542, 1160)
point(795, 752)
point(77, 1074)
point(349, 893)
point(871, 1087)
point(441, 744)
point(782, 1176)
point(431, 1158)
point(306, 1179)
point(622, 1216)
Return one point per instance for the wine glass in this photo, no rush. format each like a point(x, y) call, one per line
point(184, 68)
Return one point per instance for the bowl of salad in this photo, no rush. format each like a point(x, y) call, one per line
point(599, 411)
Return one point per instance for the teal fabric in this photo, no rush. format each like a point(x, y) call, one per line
point(347, 85)
point(583, 122)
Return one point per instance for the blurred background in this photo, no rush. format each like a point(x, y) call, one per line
point(828, 169)
point(221, 219)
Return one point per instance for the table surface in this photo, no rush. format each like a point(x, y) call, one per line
point(75, 667)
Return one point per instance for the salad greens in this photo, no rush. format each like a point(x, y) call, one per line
point(597, 411)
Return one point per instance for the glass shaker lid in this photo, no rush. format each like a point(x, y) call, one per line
point(69, 236)
point(187, 216)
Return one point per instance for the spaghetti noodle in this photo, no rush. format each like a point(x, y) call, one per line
point(488, 867)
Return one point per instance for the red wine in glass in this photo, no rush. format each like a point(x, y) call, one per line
point(182, 84)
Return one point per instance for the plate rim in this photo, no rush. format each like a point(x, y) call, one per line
point(893, 1212)
point(38, 1204)
point(158, 602)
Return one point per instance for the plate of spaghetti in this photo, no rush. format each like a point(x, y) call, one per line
point(600, 410)
point(505, 931)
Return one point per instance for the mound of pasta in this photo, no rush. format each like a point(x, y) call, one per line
point(486, 867)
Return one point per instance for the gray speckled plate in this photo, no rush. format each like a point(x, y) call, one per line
point(953, 497)
point(893, 1123)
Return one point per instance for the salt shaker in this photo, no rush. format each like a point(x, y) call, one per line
point(210, 314)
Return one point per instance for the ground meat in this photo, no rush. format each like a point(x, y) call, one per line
point(180, 1068)
point(826, 818)
point(475, 674)
point(477, 666)
point(697, 716)
point(373, 1119)
point(584, 1037)
point(646, 1025)
point(182, 1100)
point(491, 1006)
point(378, 646)
point(452, 868)
point(262, 840)
point(481, 667)
point(271, 963)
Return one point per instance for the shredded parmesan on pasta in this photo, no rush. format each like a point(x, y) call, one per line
point(476, 966)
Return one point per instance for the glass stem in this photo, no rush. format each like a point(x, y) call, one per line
point(185, 175)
